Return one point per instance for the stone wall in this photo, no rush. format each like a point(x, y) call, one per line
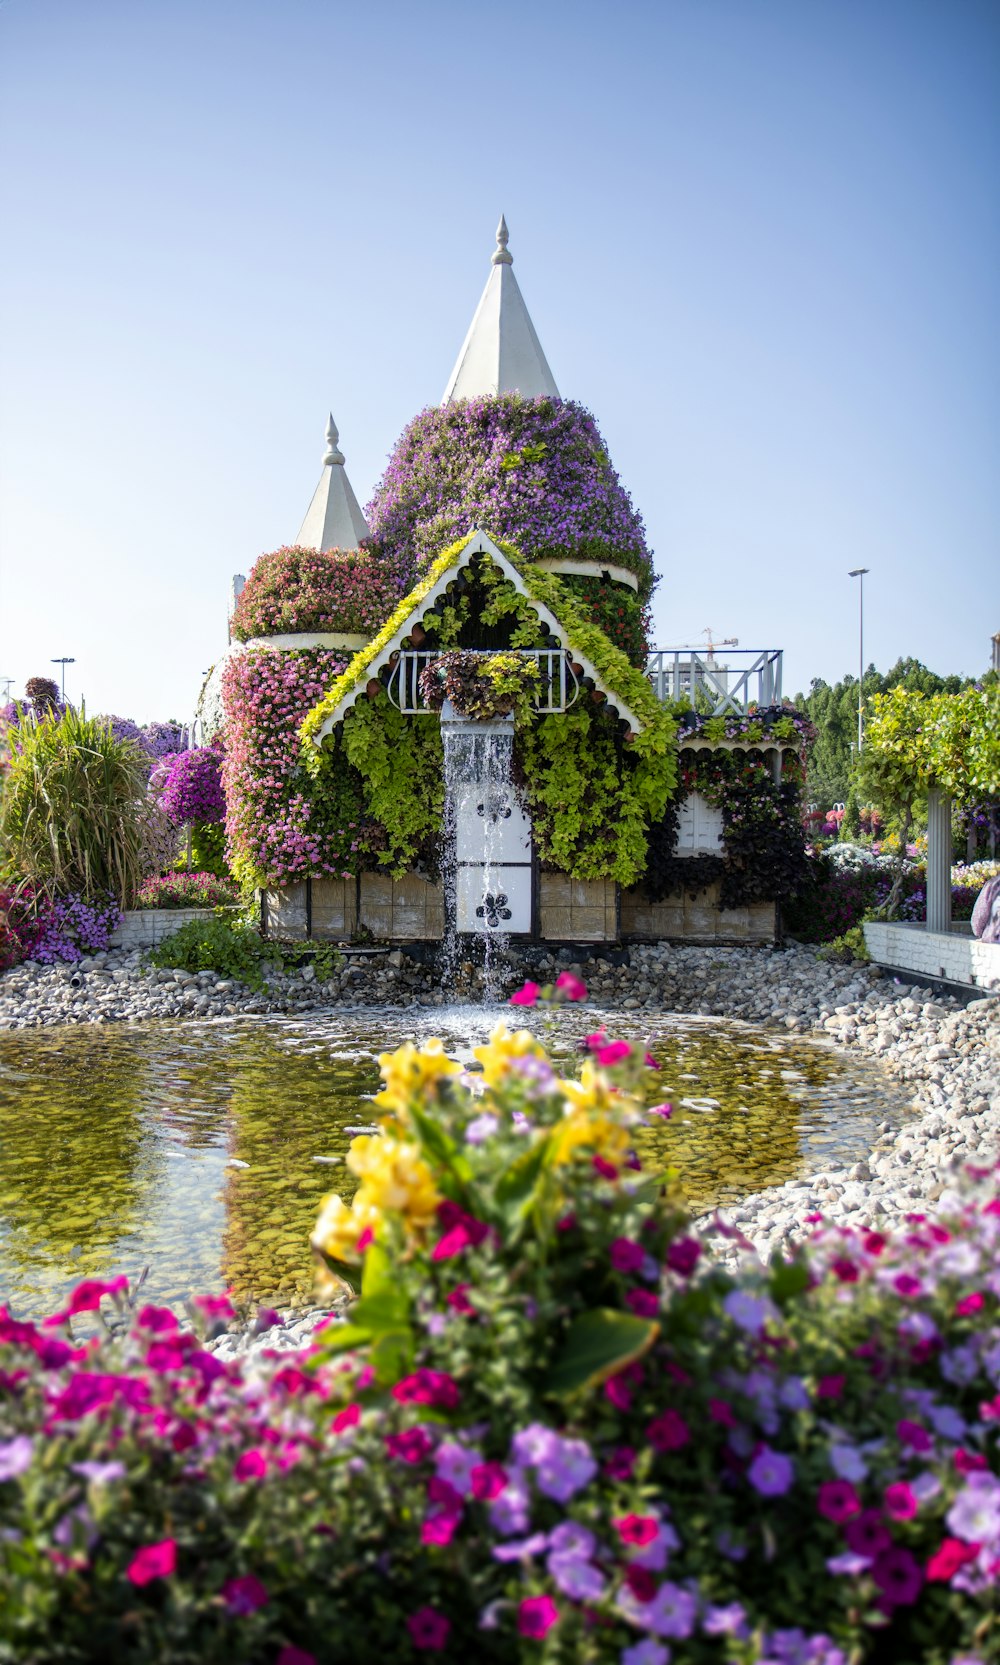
point(577, 910)
point(683, 918)
point(410, 909)
point(145, 927)
point(955, 955)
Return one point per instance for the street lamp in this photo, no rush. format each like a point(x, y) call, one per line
point(64, 662)
point(859, 572)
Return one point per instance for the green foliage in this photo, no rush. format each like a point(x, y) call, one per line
point(482, 686)
point(208, 850)
point(834, 710)
point(74, 807)
point(949, 741)
point(401, 764)
point(850, 946)
point(357, 670)
point(219, 944)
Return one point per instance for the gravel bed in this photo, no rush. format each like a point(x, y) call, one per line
point(948, 1054)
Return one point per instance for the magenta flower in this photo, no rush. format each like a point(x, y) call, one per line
point(912, 1435)
point(899, 1501)
point(536, 1615)
point(244, 1595)
point(643, 1303)
point(636, 1529)
point(668, 1431)
point(526, 996)
point(614, 1053)
point(626, 1255)
point(488, 1481)
point(683, 1255)
point(153, 1561)
point(867, 1534)
point(428, 1387)
point(898, 1577)
point(837, 1500)
point(570, 986)
point(412, 1446)
point(664, 1111)
point(251, 1465)
point(428, 1629)
point(291, 1655)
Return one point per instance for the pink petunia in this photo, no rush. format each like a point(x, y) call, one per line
point(153, 1561)
point(428, 1629)
point(837, 1500)
point(536, 1615)
point(526, 996)
point(412, 1446)
point(668, 1431)
point(250, 1465)
point(244, 1595)
point(636, 1529)
point(899, 1501)
point(626, 1255)
point(488, 1481)
point(614, 1053)
point(683, 1256)
point(571, 987)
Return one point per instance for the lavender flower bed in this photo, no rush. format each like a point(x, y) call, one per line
point(533, 471)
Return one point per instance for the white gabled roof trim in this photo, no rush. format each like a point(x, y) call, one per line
point(587, 569)
point(479, 543)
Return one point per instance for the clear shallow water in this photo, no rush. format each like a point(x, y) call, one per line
point(119, 1145)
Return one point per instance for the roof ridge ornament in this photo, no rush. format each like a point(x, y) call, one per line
point(333, 452)
point(501, 352)
point(501, 256)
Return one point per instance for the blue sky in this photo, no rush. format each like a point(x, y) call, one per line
point(759, 239)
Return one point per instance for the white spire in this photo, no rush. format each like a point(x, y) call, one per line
point(501, 353)
point(333, 519)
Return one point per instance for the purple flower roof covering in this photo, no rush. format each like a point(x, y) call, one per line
point(534, 472)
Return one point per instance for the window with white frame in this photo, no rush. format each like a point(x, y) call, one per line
point(699, 827)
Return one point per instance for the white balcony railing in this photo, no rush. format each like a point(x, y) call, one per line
point(717, 685)
point(558, 682)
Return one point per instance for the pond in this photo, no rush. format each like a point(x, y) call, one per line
point(202, 1151)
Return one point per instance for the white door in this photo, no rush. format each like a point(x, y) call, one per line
point(493, 855)
point(699, 827)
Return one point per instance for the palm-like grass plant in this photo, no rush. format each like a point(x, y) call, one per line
point(74, 807)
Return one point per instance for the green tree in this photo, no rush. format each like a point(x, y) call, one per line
point(834, 710)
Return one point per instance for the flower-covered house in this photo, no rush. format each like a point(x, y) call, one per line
point(447, 716)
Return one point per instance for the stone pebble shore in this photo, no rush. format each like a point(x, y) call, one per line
point(946, 1053)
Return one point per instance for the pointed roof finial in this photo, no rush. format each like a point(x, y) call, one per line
point(501, 257)
point(333, 452)
point(501, 353)
point(334, 519)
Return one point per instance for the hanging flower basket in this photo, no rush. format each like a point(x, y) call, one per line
point(483, 686)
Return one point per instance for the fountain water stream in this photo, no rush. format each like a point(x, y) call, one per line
point(487, 838)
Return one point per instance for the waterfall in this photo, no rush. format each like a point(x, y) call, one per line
point(487, 842)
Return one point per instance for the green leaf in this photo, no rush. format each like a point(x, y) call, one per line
point(392, 1357)
point(515, 1188)
point(789, 1278)
point(378, 1272)
point(598, 1344)
point(341, 1338)
point(387, 1309)
point(340, 1269)
point(439, 1145)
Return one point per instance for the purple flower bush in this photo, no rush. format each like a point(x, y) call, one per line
point(279, 824)
point(534, 472)
point(188, 786)
point(299, 590)
point(549, 1427)
point(34, 926)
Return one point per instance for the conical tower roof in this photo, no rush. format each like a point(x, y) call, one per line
point(501, 353)
point(333, 519)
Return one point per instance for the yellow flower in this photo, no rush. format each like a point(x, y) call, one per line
point(503, 1050)
point(395, 1179)
point(585, 1128)
point(338, 1228)
point(411, 1073)
point(592, 1091)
